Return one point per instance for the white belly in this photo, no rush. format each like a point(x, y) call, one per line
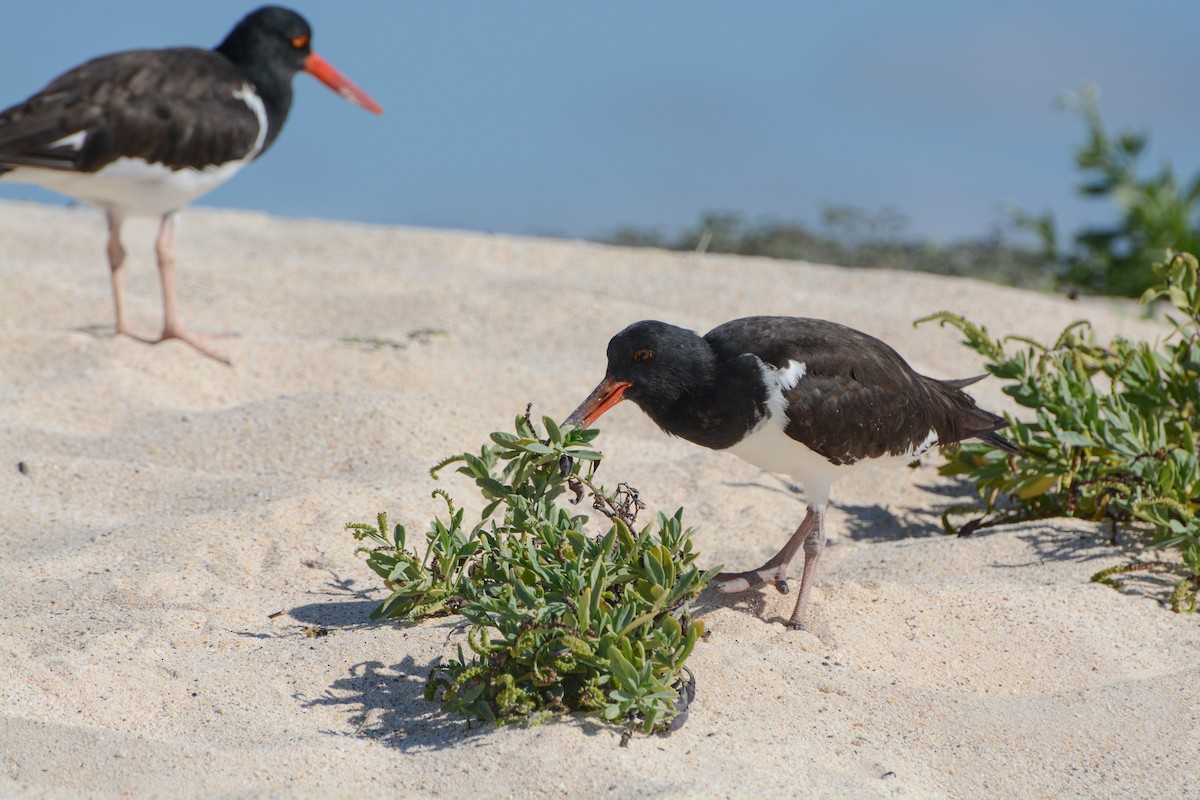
point(131, 186)
point(769, 448)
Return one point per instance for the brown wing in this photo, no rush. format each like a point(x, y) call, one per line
point(858, 398)
point(174, 107)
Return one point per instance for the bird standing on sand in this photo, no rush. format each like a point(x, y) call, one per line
point(810, 399)
point(149, 131)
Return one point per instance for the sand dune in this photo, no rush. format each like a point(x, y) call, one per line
point(168, 505)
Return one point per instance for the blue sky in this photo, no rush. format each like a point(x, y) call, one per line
point(551, 117)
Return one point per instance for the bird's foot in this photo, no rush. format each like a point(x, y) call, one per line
point(192, 340)
point(734, 582)
point(125, 330)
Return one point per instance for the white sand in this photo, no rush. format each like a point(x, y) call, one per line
point(171, 504)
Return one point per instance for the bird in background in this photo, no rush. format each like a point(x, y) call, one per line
point(811, 399)
point(145, 132)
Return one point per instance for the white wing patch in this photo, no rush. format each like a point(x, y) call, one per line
point(790, 375)
point(250, 97)
point(74, 141)
point(919, 449)
point(780, 380)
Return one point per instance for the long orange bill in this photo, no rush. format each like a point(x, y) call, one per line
point(602, 398)
point(323, 71)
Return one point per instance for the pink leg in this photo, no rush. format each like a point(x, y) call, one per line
point(116, 263)
point(173, 328)
point(775, 570)
point(810, 534)
point(813, 546)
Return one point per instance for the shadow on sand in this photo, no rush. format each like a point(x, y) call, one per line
point(1048, 540)
point(874, 523)
point(387, 703)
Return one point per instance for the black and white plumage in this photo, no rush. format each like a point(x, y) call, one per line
point(146, 132)
point(807, 398)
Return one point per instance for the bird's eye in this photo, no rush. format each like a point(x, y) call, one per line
point(645, 354)
point(299, 42)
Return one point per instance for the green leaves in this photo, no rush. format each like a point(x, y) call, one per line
point(1114, 429)
point(561, 619)
point(420, 587)
point(1155, 214)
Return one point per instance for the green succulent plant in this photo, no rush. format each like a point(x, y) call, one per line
point(560, 618)
point(1113, 434)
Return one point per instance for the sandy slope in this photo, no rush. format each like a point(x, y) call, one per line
point(171, 504)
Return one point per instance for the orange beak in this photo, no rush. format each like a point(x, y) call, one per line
point(602, 398)
point(323, 71)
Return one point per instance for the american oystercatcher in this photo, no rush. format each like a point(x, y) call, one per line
point(811, 399)
point(149, 131)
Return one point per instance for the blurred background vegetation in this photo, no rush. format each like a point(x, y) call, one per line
point(1154, 213)
point(856, 237)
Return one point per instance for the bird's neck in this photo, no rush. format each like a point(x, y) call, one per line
point(276, 96)
point(718, 409)
point(272, 85)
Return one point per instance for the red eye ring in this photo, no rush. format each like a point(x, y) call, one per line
point(299, 42)
point(644, 354)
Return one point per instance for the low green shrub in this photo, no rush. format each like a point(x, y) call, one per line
point(856, 237)
point(560, 619)
point(1155, 212)
point(1114, 429)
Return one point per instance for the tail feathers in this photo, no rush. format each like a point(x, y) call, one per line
point(998, 441)
point(960, 383)
point(965, 420)
point(982, 425)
